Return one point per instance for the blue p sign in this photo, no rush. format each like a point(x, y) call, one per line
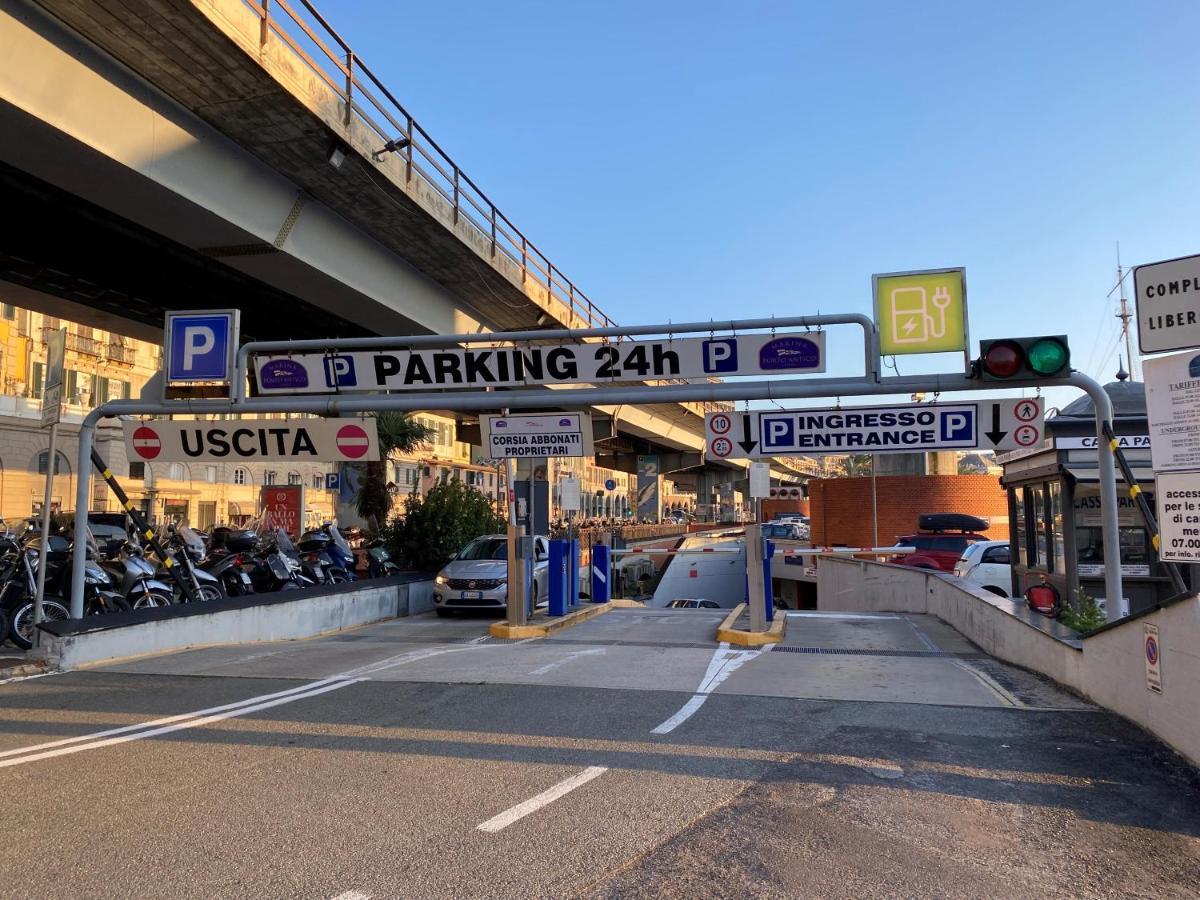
point(958, 427)
point(720, 355)
point(777, 433)
point(339, 371)
point(200, 345)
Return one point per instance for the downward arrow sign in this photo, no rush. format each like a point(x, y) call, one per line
point(745, 443)
point(995, 435)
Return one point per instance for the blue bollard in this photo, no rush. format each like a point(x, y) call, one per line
point(600, 586)
point(556, 579)
point(573, 570)
point(529, 570)
point(768, 589)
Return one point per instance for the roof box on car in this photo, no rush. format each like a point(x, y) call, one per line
point(950, 522)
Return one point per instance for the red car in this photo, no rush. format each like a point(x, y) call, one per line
point(941, 541)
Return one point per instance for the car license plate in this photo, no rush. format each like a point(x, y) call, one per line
point(472, 595)
point(245, 577)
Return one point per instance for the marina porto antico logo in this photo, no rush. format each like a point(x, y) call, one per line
point(789, 353)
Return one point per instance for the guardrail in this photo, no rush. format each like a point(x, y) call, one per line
point(367, 98)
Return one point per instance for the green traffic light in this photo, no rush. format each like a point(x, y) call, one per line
point(1047, 356)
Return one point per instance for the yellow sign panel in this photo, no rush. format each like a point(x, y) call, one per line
point(921, 312)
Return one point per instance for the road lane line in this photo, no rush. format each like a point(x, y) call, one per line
point(724, 663)
point(95, 735)
point(179, 726)
point(570, 657)
point(545, 798)
point(353, 895)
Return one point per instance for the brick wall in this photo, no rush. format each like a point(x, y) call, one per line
point(841, 507)
point(772, 509)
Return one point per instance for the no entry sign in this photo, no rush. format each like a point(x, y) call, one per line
point(253, 440)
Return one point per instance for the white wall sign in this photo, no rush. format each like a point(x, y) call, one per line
point(1168, 304)
point(1177, 495)
point(1173, 410)
point(255, 440)
point(987, 424)
point(800, 353)
point(1153, 647)
point(518, 437)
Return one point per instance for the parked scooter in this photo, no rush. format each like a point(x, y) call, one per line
point(379, 561)
point(327, 547)
point(135, 578)
point(187, 550)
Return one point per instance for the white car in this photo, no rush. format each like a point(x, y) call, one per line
point(987, 564)
point(477, 578)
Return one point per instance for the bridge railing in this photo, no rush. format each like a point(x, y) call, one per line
point(365, 96)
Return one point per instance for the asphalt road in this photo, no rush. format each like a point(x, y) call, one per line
point(630, 756)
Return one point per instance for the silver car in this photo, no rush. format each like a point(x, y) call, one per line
point(477, 578)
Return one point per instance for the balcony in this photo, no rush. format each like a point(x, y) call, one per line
point(119, 353)
point(76, 342)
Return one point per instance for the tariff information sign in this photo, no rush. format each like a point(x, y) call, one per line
point(519, 437)
point(255, 440)
point(1173, 410)
point(801, 353)
point(1177, 495)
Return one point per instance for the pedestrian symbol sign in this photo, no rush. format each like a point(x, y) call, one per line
point(921, 312)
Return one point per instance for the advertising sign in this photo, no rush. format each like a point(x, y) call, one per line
point(649, 500)
point(921, 312)
point(476, 368)
point(1178, 499)
point(523, 437)
point(1168, 304)
point(283, 507)
point(255, 440)
point(1173, 410)
point(911, 428)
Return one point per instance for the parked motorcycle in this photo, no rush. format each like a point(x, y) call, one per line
point(135, 578)
point(187, 549)
point(327, 548)
point(379, 561)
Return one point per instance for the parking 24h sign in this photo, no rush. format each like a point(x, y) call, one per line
point(800, 353)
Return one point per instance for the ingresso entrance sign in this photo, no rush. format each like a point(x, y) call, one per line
point(703, 390)
point(910, 428)
point(801, 353)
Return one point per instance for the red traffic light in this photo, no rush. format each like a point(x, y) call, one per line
point(1003, 359)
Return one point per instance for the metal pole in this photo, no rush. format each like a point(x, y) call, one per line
point(1110, 525)
point(874, 505)
point(51, 459)
point(87, 434)
point(756, 592)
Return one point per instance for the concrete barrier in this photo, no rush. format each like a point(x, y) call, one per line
point(1108, 667)
point(286, 615)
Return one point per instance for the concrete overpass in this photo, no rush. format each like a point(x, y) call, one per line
point(202, 153)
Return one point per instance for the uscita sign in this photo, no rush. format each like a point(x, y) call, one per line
point(263, 440)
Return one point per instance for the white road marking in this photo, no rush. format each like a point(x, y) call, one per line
point(570, 657)
point(353, 895)
point(724, 663)
point(196, 719)
point(545, 798)
point(825, 615)
point(921, 636)
point(179, 726)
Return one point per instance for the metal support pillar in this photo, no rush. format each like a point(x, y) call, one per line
point(756, 590)
point(51, 465)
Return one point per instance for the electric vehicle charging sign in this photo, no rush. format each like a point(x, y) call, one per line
point(913, 428)
point(255, 440)
point(921, 312)
point(799, 353)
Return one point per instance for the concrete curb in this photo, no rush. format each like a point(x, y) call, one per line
point(773, 635)
point(542, 629)
point(22, 671)
point(626, 603)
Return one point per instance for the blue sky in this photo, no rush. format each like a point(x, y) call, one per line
point(695, 160)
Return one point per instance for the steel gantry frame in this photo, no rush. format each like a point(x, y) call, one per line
point(870, 384)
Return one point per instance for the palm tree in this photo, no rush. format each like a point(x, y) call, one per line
point(397, 433)
point(859, 464)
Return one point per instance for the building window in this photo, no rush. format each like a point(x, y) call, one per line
point(210, 474)
point(294, 478)
point(61, 466)
point(177, 472)
point(269, 477)
point(241, 476)
point(37, 377)
point(137, 470)
point(318, 481)
point(8, 311)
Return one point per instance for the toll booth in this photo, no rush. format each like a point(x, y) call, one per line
point(1054, 505)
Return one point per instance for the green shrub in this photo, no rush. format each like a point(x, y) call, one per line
point(1084, 615)
point(438, 525)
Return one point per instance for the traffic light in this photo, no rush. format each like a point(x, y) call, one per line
point(1030, 357)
